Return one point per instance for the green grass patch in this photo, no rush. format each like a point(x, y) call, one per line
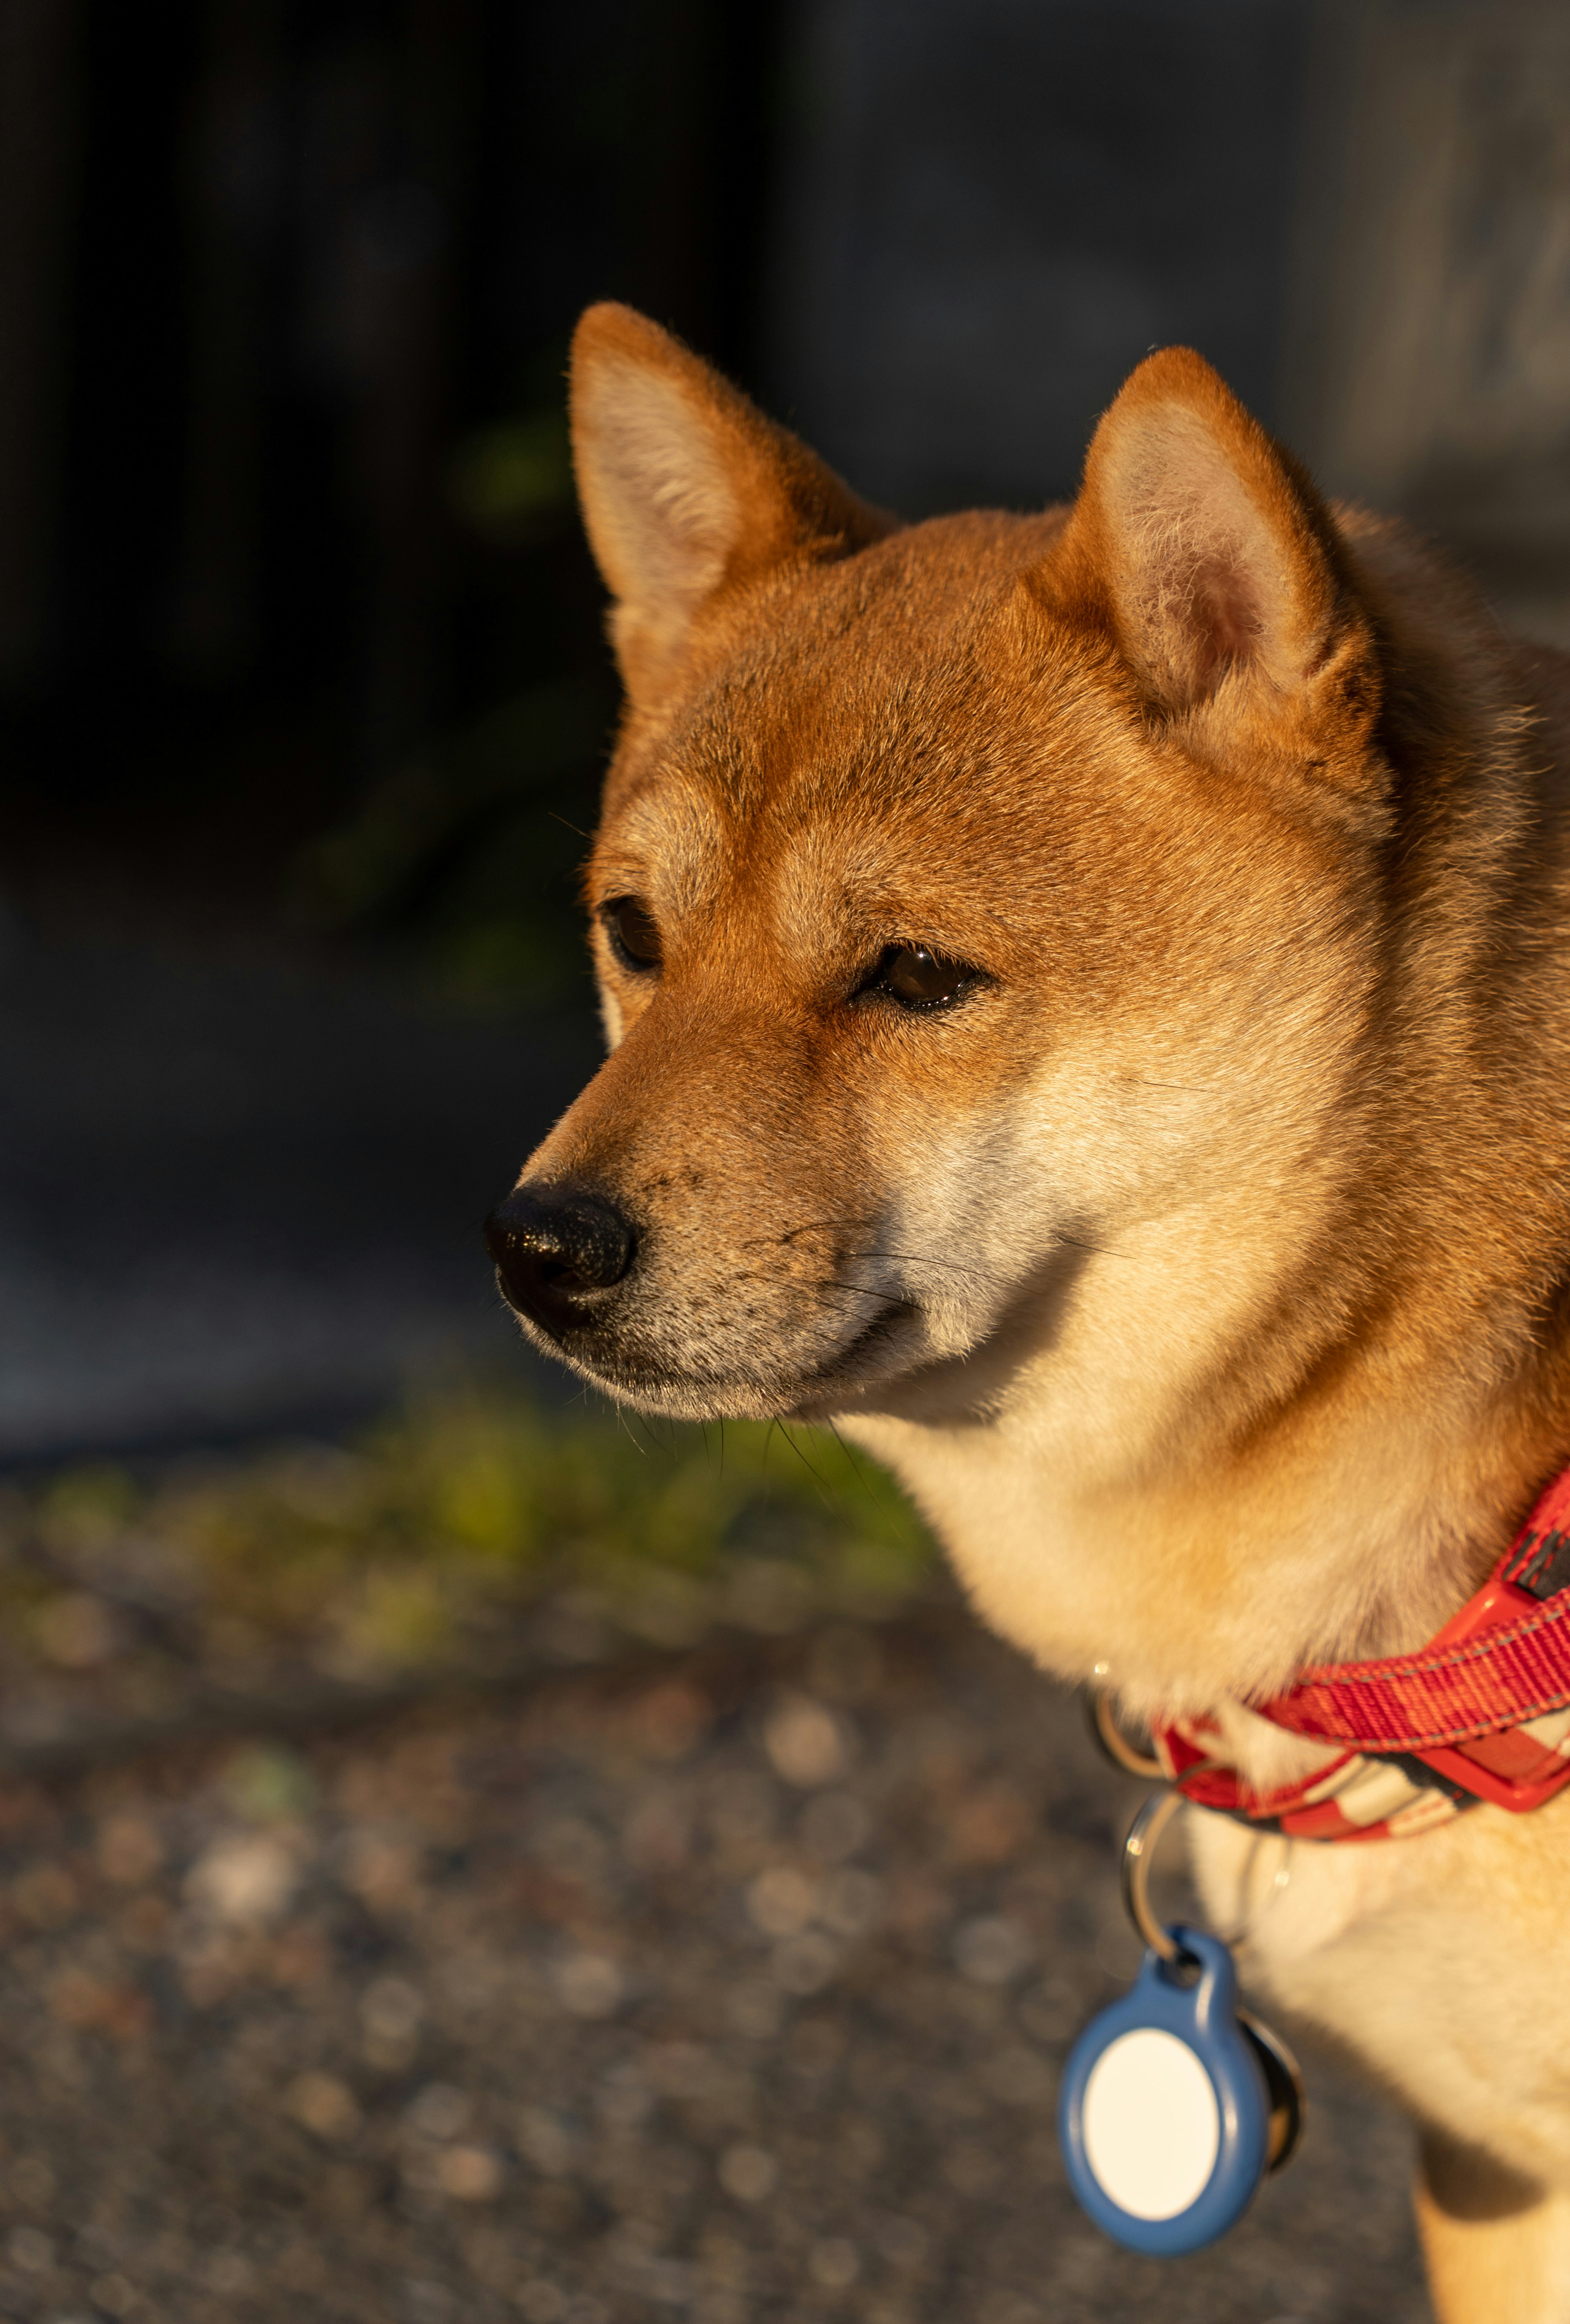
point(428, 1538)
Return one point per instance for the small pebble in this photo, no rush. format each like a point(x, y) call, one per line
point(835, 2264)
point(438, 2111)
point(470, 2174)
point(804, 1964)
point(781, 1900)
point(589, 1985)
point(748, 2172)
point(323, 2105)
point(991, 1949)
point(31, 2250)
point(807, 1742)
point(546, 2142)
point(245, 1879)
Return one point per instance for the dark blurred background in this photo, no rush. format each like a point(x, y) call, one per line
point(303, 694)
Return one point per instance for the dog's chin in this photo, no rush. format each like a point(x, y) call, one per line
point(892, 1345)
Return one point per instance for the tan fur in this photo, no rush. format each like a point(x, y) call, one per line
point(1202, 1272)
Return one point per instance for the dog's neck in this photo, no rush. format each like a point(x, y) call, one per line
point(1187, 1584)
point(1188, 1573)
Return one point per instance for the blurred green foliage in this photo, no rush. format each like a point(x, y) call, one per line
point(472, 852)
point(475, 850)
point(428, 1539)
point(511, 480)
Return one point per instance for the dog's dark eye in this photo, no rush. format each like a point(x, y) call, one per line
point(633, 933)
point(918, 979)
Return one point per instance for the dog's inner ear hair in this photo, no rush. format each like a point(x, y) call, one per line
point(1207, 544)
point(687, 489)
point(662, 513)
point(1206, 584)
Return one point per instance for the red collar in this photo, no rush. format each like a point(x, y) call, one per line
point(1481, 1713)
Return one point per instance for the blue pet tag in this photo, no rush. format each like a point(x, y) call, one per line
point(1166, 2113)
point(1175, 2102)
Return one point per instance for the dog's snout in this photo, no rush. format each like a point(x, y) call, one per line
point(556, 1249)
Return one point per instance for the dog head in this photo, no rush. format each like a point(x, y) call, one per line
point(975, 905)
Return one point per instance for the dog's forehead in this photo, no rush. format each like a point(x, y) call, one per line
point(839, 735)
point(670, 840)
point(820, 783)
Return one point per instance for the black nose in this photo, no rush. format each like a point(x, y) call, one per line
point(555, 1250)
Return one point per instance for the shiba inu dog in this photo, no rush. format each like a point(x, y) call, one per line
point(1087, 1010)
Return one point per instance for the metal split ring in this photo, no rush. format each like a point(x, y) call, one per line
point(1139, 1848)
point(1112, 1744)
point(1283, 2081)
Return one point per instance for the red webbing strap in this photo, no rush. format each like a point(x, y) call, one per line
point(1415, 1703)
point(1223, 1787)
point(1466, 1683)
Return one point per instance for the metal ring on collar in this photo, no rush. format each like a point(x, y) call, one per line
point(1139, 1848)
point(1113, 1744)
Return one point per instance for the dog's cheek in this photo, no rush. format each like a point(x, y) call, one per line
point(969, 1190)
point(964, 1229)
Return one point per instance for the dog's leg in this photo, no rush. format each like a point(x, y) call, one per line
point(1497, 2245)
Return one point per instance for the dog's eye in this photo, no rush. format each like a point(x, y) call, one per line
point(918, 979)
point(633, 933)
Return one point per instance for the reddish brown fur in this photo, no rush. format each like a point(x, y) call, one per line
point(1255, 827)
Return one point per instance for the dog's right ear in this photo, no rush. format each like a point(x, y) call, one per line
point(688, 491)
point(1205, 551)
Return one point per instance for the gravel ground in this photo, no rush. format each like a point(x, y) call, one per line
point(732, 1985)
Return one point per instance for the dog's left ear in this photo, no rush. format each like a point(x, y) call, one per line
point(1207, 552)
point(687, 490)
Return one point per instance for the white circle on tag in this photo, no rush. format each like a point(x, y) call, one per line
point(1153, 2127)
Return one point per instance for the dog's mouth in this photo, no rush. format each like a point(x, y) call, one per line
point(646, 1364)
point(888, 1332)
point(908, 1375)
point(641, 1307)
point(704, 1354)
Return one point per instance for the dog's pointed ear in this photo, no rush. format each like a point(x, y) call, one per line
point(1206, 550)
point(687, 490)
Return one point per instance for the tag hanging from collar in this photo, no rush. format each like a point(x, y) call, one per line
point(1176, 2103)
